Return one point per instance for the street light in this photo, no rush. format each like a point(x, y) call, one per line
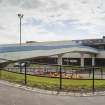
point(20, 17)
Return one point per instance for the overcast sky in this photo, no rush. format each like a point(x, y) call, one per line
point(48, 20)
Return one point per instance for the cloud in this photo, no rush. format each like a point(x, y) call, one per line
point(2, 27)
point(51, 19)
point(29, 4)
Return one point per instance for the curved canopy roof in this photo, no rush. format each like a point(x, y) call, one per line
point(15, 52)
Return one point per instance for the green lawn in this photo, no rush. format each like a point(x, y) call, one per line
point(51, 83)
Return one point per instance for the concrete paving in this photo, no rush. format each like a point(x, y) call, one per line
point(10, 95)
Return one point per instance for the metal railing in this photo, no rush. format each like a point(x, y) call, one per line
point(61, 72)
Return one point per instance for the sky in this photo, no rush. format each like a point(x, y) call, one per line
point(51, 20)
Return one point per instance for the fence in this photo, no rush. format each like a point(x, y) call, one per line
point(60, 77)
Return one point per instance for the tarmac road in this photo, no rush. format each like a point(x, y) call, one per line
point(16, 96)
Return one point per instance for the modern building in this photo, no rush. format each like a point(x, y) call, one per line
point(75, 52)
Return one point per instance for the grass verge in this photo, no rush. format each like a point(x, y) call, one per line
point(53, 83)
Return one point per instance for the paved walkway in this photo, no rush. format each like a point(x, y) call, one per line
point(10, 95)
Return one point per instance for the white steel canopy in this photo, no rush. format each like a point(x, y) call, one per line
point(27, 51)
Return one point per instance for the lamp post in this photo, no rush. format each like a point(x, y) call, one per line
point(20, 17)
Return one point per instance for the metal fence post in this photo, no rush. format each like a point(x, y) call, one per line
point(25, 73)
point(60, 87)
point(93, 88)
